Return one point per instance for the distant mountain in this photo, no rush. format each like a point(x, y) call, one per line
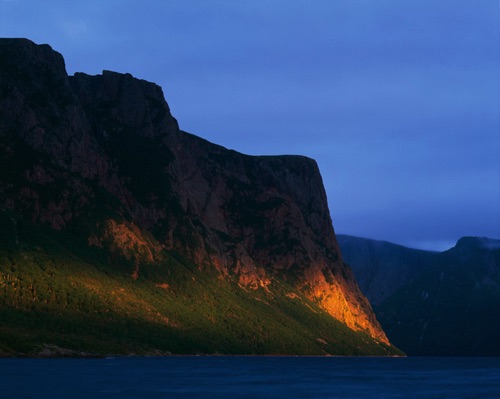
point(120, 233)
point(382, 267)
point(449, 307)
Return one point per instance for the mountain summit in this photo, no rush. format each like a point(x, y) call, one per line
point(113, 216)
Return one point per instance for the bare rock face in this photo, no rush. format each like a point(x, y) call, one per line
point(103, 156)
point(268, 216)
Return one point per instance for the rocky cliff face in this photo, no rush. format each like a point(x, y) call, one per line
point(452, 306)
point(102, 157)
point(434, 304)
point(381, 267)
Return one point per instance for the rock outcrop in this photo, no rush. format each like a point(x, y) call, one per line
point(102, 157)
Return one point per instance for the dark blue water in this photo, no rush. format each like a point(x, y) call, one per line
point(250, 377)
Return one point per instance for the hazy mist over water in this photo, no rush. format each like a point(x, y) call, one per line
point(250, 377)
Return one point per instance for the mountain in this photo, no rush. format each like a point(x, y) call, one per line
point(382, 267)
point(448, 306)
point(121, 233)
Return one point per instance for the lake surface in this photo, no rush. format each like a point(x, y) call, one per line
point(250, 377)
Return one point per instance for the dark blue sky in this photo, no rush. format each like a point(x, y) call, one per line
point(398, 101)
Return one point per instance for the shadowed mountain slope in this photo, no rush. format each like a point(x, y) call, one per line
point(382, 267)
point(438, 304)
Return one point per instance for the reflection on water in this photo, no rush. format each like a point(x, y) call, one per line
point(250, 377)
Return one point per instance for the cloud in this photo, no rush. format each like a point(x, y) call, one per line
point(76, 29)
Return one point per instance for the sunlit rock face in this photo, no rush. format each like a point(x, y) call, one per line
point(104, 158)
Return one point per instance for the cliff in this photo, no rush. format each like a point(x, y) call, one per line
point(429, 303)
point(102, 159)
point(381, 267)
point(450, 307)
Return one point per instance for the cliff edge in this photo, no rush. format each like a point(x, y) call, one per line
point(101, 157)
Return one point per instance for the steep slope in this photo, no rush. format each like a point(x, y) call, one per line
point(451, 307)
point(382, 267)
point(62, 297)
point(98, 166)
point(429, 303)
